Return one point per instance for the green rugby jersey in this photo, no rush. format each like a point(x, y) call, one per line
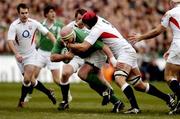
point(80, 36)
point(43, 41)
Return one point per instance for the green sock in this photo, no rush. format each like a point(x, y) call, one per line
point(95, 83)
point(114, 99)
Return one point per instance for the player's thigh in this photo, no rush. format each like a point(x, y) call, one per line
point(171, 71)
point(76, 63)
point(56, 75)
point(84, 71)
point(135, 79)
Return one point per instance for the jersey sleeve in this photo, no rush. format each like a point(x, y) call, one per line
point(57, 48)
point(98, 45)
point(11, 33)
point(165, 19)
point(41, 28)
point(93, 36)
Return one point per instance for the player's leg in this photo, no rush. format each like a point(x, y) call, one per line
point(28, 71)
point(121, 74)
point(95, 83)
point(139, 85)
point(39, 86)
point(171, 76)
point(67, 71)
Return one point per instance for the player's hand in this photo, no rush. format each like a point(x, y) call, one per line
point(113, 61)
point(134, 38)
point(69, 55)
point(19, 58)
point(166, 54)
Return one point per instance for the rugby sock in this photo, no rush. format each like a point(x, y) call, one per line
point(95, 83)
point(41, 87)
point(98, 86)
point(155, 92)
point(31, 89)
point(130, 95)
point(65, 90)
point(24, 92)
point(114, 99)
point(175, 87)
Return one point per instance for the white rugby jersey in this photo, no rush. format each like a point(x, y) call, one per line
point(172, 19)
point(110, 36)
point(24, 35)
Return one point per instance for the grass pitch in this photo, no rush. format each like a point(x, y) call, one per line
point(86, 104)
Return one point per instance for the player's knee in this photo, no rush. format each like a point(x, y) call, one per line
point(141, 86)
point(81, 75)
point(26, 83)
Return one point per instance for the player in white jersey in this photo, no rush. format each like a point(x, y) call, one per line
point(172, 69)
point(126, 68)
point(21, 41)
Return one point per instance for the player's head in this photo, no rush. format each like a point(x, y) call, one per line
point(49, 12)
point(174, 2)
point(23, 11)
point(67, 34)
point(78, 16)
point(89, 19)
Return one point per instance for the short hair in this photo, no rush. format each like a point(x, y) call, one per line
point(48, 8)
point(22, 5)
point(80, 11)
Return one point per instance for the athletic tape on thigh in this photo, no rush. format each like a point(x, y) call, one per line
point(121, 73)
point(134, 80)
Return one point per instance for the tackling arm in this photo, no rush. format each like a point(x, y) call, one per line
point(80, 47)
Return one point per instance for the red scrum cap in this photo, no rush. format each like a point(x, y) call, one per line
point(89, 18)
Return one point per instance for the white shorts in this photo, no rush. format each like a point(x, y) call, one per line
point(174, 57)
point(44, 60)
point(76, 63)
point(30, 59)
point(97, 58)
point(128, 56)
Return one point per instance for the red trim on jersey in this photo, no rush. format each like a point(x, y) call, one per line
point(108, 35)
point(33, 38)
point(174, 21)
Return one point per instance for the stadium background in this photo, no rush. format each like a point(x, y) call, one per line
point(128, 16)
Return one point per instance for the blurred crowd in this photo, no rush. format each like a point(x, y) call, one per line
point(128, 16)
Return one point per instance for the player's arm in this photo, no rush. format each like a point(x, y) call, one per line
point(88, 41)
point(60, 52)
point(151, 34)
point(51, 37)
point(45, 31)
point(11, 38)
point(80, 47)
point(55, 57)
point(100, 45)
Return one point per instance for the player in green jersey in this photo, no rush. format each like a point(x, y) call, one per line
point(92, 79)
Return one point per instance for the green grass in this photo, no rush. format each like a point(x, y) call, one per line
point(86, 104)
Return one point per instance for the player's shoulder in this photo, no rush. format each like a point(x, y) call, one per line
point(173, 11)
point(33, 21)
point(59, 23)
point(15, 22)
